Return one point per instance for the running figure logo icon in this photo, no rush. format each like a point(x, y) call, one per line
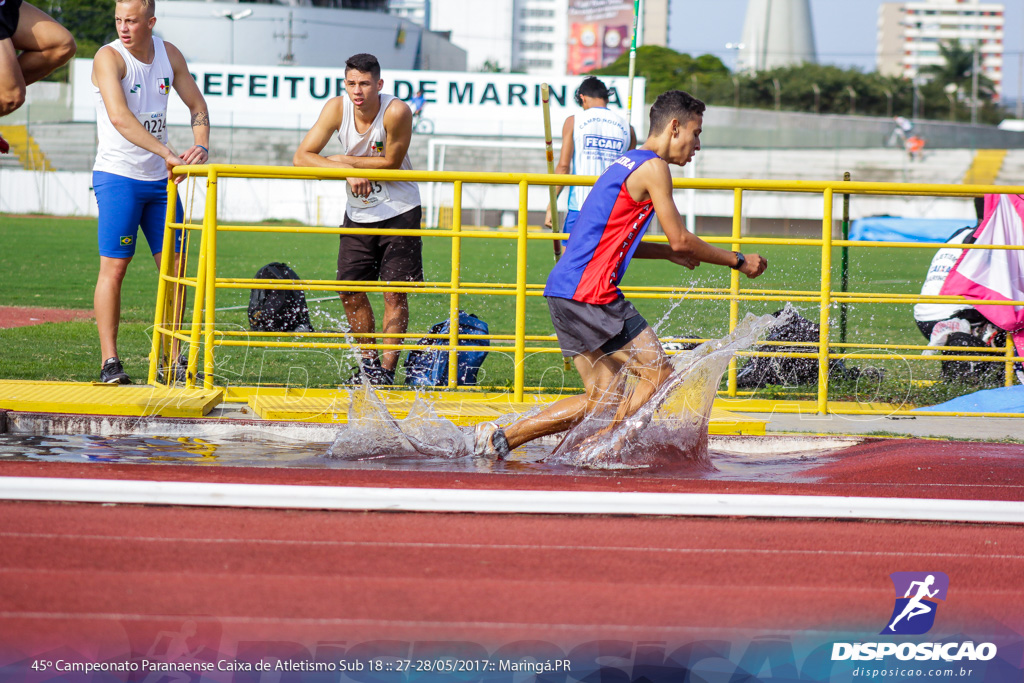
point(916, 595)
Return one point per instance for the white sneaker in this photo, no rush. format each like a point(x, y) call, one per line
point(489, 440)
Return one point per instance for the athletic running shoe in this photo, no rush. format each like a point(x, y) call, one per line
point(4, 147)
point(489, 440)
point(374, 373)
point(113, 372)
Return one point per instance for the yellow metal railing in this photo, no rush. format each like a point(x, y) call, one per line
point(202, 332)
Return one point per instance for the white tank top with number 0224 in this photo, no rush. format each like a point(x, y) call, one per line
point(146, 89)
point(386, 200)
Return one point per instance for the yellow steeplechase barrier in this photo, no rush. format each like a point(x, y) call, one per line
point(198, 325)
point(94, 398)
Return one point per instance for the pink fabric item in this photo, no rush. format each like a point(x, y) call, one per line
point(996, 274)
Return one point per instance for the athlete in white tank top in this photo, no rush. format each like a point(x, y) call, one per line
point(599, 137)
point(146, 88)
point(386, 199)
point(133, 76)
point(375, 131)
point(591, 141)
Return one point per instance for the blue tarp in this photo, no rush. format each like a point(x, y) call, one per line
point(892, 229)
point(1001, 400)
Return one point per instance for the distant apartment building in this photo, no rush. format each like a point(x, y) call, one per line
point(317, 33)
point(909, 34)
point(545, 37)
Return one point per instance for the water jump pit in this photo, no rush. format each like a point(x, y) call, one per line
point(677, 442)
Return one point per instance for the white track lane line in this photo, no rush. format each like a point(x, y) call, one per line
point(505, 501)
point(518, 547)
point(419, 625)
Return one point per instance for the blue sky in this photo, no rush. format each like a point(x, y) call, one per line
point(844, 32)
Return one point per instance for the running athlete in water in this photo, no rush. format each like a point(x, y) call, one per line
point(596, 326)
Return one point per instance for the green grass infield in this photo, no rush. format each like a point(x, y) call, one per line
point(53, 262)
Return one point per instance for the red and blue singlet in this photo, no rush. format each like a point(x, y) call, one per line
point(606, 234)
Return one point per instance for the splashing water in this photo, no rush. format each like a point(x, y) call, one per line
point(672, 427)
point(372, 432)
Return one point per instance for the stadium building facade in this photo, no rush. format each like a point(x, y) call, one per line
point(909, 35)
point(542, 37)
point(311, 33)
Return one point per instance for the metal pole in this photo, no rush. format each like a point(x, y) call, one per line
point(520, 331)
point(160, 317)
point(974, 87)
point(632, 65)
point(545, 91)
point(826, 302)
point(734, 282)
point(845, 261)
point(453, 311)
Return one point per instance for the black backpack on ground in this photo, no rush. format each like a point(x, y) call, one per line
point(972, 371)
point(278, 310)
point(789, 372)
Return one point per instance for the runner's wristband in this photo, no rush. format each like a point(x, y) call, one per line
point(204, 149)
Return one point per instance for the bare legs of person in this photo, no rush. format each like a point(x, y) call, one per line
point(361, 321)
point(106, 305)
point(44, 45)
point(642, 357)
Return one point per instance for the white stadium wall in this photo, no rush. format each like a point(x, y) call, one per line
point(458, 103)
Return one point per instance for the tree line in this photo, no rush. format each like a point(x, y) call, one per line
point(818, 88)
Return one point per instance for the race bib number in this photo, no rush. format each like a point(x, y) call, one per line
point(378, 195)
point(155, 124)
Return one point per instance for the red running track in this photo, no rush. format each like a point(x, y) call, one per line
point(106, 579)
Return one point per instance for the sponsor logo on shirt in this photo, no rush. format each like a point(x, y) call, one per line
point(600, 143)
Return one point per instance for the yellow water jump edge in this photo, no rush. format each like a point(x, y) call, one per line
point(288, 404)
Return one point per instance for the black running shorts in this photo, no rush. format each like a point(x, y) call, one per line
point(382, 257)
point(583, 327)
point(9, 12)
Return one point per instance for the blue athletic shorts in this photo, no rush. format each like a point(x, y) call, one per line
point(570, 221)
point(126, 205)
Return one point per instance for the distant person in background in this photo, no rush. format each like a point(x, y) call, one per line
point(915, 147)
point(591, 141)
point(133, 76)
point(901, 132)
point(417, 103)
point(44, 45)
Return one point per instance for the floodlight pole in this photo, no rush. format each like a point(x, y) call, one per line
point(974, 87)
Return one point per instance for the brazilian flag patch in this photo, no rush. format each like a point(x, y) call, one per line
point(127, 239)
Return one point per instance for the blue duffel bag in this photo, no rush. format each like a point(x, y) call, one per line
point(429, 367)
